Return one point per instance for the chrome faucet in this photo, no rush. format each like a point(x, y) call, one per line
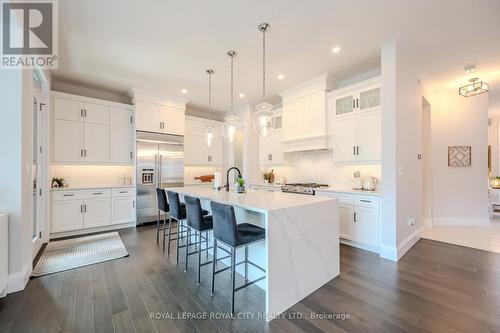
point(227, 176)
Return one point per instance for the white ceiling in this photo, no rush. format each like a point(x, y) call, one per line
point(166, 45)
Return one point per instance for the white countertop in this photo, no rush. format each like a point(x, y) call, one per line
point(329, 189)
point(259, 201)
point(91, 188)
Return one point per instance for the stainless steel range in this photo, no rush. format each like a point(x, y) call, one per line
point(302, 188)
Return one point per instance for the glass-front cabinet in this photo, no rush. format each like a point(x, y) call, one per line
point(344, 104)
point(369, 99)
point(358, 97)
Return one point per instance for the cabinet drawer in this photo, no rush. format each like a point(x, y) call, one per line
point(67, 195)
point(95, 194)
point(344, 198)
point(366, 201)
point(122, 192)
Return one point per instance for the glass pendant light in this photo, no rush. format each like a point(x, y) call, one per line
point(231, 120)
point(209, 130)
point(262, 116)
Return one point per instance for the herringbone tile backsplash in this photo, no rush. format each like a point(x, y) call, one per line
point(319, 167)
point(81, 176)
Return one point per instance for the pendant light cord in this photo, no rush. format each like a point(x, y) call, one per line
point(263, 63)
point(232, 84)
point(209, 95)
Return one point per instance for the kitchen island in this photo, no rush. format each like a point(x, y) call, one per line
point(301, 249)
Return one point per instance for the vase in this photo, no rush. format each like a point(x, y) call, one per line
point(240, 189)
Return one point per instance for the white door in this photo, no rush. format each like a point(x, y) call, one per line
point(96, 212)
point(37, 170)
point(173, 120)
point(120, 144)
point(95, 113)
point(122, 210)
point(366, 226)
point(346, 221)
point(96, 143)
point(369, 136)
point(67, 109)
point(68, 141)
point(345, 138)
point(67, 215)
point(147, 117)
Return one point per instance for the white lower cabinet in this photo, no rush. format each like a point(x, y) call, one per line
point(80, 210)
point(358, 219)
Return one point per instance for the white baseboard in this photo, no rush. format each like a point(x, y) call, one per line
point(92, 230)
point(460, 222)
point(18, 280)
point(359, 245)
point(395, 253)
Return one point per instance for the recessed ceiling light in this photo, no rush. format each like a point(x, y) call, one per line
point(336, 49)
point(281, 77)
point(184, 91)
point(242, 95)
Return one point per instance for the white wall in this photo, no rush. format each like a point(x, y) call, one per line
point(401, 144)
point(460, 195)
point(16, 115)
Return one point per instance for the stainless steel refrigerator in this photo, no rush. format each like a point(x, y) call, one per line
point(160, 163)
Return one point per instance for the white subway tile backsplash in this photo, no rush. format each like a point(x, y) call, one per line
point(319, 167)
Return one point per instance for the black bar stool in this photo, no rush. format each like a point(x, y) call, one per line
point(163, 207)
point(178, 213)
point(234, 236)
point(202, 226)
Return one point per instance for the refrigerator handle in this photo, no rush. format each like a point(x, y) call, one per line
point(156, 170)
point(159, 171)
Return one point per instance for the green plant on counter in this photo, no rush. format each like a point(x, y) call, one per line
point(241, 182)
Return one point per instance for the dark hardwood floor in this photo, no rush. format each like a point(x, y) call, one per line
point(436, 287)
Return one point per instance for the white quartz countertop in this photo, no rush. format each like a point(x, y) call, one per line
point(91, 188)
point(259, 201)
point(329, 189)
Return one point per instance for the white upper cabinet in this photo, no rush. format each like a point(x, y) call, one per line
point(196, 151)
point(86, 130)
point(173, 120)
point(158, 113)
point(355, 114)
point(305, 116)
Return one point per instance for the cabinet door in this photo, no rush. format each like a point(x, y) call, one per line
point(369, 136)
point(67, 215)
point(96, 143)
point(122, 210)
point(345, 139)
point(68, 141)
point(147, 117)
point(120, 117)
point(346, 222)
point(313, 118)
point(343, 104)
point(289, 119)
point(195, 150)
point(120, 144)
point(97, 114)
point(265, 154)
point(366, 226)
point(215, 151)
point(67, 109)
point(173, 120)
point(369, 98)
point(96, 213)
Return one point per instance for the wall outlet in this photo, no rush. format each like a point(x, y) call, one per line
point(410, 221)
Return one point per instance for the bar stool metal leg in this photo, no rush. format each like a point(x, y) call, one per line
point(246, 263)
point(179, 227)
point(214, 266)
point(233, 277)
point(188, 240)
point(158, 228)
point(164, 230)
point(170, 234)
point(199, 256)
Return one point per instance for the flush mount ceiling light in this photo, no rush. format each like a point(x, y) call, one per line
point(475, 87)
point(231, 120)
point(209, 130)
point(262, 117)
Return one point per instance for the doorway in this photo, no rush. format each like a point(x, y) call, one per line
point(38, 164)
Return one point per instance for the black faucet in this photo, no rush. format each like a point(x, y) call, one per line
point(227, 176)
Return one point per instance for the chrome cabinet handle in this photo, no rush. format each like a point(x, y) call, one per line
point(355, 217)
point(123, 191)
point(365, 201)
point(97, 193)
point(133, 203)
point(68, 195)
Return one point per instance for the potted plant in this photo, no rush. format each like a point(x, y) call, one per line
point(241, 185)
point(269, 177)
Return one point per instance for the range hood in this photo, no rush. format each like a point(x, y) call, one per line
point(305, 115)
